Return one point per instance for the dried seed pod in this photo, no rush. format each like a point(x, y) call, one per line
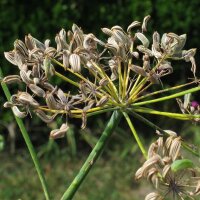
point(60, 94)
point(12, 79)
point(144, 24)
point(51, 102)
point(84, 120)
point(145, 50)
point(153, 196)
point(10, 56)
point(21, 48)
point(139, 173)
point(37, 90)
point(75, 63)
point(18, 113)
point(59, 133)
point(8, 104)
point(25, 76)
point(102, 101)
point(103, 82)
point(107, 31)
point(26, 98)
point(30, 43)
point(175, 148)
point(48, 67)
point(133, 25)
point(138, 70)
point(120, 36)
point(36, 70)
point(152, 150)
point(46, 118)
point(50, 51)
point(143, 39)
point(65, 59)
point(48, 86)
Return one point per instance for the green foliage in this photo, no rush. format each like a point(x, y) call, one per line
point(1, 142)
point(178, 165)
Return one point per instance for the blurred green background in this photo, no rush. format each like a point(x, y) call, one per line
point(112, 177)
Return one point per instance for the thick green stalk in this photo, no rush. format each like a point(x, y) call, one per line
point(28, 143)
point(167, 97)
point(113, 122)
point(135, 135)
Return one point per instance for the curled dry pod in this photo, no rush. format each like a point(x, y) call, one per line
point(21, 48)
point(144, 24)
point(138, 70)
point(12, 79)
point(46, 118)
point(26, 98)
point(143, 39)
point(8, 104)
point(25, 76)
point(75, 63)
point(107, 31)
point(51, 102)
point(18, 113)
point(102, 101)
point(153, 196)
point(37, 90)
point(104, 81)
point(59, 133)
point(133, 25)
point(10, 56)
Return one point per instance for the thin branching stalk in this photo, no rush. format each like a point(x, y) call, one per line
point(154, 126)
point(141, 146)
point(167, 114)
point(28, 143)
point(113, 122)
point(165, 90)
point(195, 89)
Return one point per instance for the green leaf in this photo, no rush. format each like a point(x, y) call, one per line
point(178, 165)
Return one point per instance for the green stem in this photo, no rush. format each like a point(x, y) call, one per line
point(165, 90)
point(135, 134)
point(167, 114)
point(167, 97)
point(113, 122)
point(28, 143)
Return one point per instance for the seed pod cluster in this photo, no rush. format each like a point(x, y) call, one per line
point(104, 73)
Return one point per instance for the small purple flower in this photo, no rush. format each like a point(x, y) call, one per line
point(194, 104)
